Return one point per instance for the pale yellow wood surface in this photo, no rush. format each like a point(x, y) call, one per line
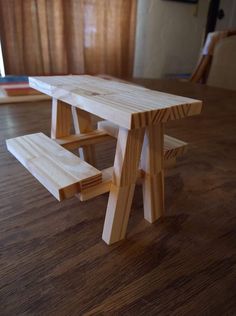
point(108, 127)
point(128, 151)
point(60, 171)
point(79, 140)
point(152, 163)
point(82, 120)
point(173, 147)
point(61, 119)
point(103, 187)
point(83, 124)
point(127, 105)
point(99, 189)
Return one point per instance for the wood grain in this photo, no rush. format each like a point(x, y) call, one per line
point(53, 261)
point(84, 139)
point(172, 147)
point(83, 124)
point(129, 106)
point(61, 119)
point(152, 163)
point(125, 172)
point(62, 173)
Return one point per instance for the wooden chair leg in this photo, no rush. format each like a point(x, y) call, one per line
point(152, 165)
point(83, 124)
point(61, 119)
point(128, 151)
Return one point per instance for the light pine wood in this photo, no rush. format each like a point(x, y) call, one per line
point(108, 127)
point(83, 124)
point(82, 121)
point(61, 172)
point(103, 187)
point(172, 148)
point(53, 261)
point(128, 151)
point(84, 139)
point(130, 106)
point(136, 110)
point(61, 119)
point(99, 189)
point(152, 163)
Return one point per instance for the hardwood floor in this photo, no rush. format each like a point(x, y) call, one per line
point(52, 258)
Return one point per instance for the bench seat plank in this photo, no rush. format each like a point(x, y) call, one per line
point(60, 171)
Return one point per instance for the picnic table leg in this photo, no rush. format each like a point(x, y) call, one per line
point(152, 165)
point(61, 119)
point(127, 158)
point(83, 124)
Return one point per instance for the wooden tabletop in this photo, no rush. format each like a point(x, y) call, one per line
point(53, 261)
point(129, 106)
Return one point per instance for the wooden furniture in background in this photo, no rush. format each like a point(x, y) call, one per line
point(201, 72)
point(140, 114)
point(16, 89)
point(19, 97)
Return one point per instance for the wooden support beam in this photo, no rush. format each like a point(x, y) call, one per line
point(83, 124)
point(128, 151)
point(152, 164)
point(172, 147)
point(103, 187)
point(61, 119)
point(85, 139)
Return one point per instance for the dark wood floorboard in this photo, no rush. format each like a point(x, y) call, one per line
point(52, 258)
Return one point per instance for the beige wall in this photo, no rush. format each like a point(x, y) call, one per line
point(229, 20)
point(168, 37)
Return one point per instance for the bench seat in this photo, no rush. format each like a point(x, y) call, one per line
point(61, 172)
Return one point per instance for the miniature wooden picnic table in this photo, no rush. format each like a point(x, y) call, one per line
point(139, 114)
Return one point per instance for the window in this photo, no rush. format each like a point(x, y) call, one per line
point(2, 70)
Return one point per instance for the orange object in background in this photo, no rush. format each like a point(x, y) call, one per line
point(12, 92)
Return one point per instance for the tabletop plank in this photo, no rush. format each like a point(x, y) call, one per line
point(128, 105)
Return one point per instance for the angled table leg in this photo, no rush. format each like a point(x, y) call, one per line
point(127, 158)
point(152, 165)
point(83, 124)
point(61, 119)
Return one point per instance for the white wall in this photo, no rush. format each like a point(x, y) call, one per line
point(229, 20)
point(168, 37)
point(2, 70)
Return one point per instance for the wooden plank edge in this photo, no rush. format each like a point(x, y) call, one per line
point(104, 186)
point(84, 139)
point(60, 193)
